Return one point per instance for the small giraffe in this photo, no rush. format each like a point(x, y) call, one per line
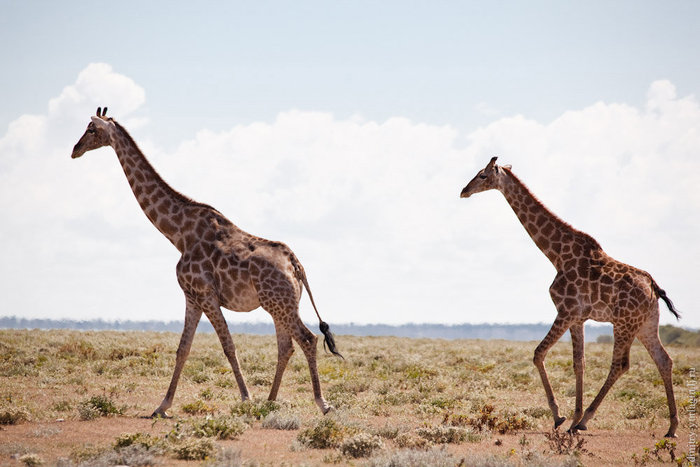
point(589, 285)
point(221, 265)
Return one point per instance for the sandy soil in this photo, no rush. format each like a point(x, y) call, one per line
point(272, 447)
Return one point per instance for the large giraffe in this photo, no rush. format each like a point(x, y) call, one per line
point(589, 285)
point(221, 265)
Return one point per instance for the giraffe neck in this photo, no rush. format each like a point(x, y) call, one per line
point(554, 237)
point(162, 204)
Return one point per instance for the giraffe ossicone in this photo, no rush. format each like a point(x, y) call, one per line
point(220, 266)
point(589, 284)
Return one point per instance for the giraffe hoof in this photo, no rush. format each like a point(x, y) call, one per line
point(579, 427)
point(558, 422)
point(670, 435)
point(330, 408)
point(160, 414)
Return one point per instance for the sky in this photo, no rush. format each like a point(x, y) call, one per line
point(347, 130)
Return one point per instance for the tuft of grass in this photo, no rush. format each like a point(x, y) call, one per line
point(135, 439)
point(13, 415)
point(411, 440)
point(62, 406)
point(194, 449)
point(226, 457)
point(561, 442)
point(327, 433)
point(443, 434)
point(255, 410)
point(488, 420)
point(31, 460)
point(97, 406)
point(278, 421)
point(223, 427)
point(416, 458)
point(361, 445)
point(197, 407)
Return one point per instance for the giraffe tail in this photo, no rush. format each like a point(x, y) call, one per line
point(661, 293)
point(328, 338)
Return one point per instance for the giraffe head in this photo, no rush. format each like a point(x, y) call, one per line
point(488, 178)
point(96, 135)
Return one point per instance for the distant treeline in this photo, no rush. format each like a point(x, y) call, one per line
point(515, 332)
point(679, 336)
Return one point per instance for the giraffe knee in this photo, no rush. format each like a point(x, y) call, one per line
point(624, 364)
point(311, 339)
point(538, 357)
point(286, 352)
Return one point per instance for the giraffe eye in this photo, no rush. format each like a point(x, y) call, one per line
point(482, 176)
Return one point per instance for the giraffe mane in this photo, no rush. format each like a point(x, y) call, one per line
point(176, 194)
point(558, 220)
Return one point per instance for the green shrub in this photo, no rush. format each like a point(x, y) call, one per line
point(97, 406)
point(197, 408)
point(327, 433)
point(223, 427)
point(139, 439)
point(443, 434)
point(193, 449)
point(256, 410)
point(411, 440)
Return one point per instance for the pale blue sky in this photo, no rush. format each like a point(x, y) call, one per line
point(347, 130)
point(217, 63)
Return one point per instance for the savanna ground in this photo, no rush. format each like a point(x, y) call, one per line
point(73, 398)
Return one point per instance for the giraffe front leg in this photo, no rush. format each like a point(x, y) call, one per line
point(558, 329)
point(192, 316)
point(577, 340)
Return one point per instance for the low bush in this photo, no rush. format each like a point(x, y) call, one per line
point(327, 433)
point(193, 449)
point(98, 406)
point(361, 445)
point(13, 415)
point(278, 421)
point(443, 434)
point(224, 427)
point(255, 410)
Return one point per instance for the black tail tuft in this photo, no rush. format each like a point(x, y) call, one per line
point(328, 340)
point(662, 295)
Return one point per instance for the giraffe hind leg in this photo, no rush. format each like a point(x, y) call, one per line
point(649, 336)
point(279, 295)
point(620, 364)
point(307, 341)
point(285, 349)
point(577, 340)
point(217, 320)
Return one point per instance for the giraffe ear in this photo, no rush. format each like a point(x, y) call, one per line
point(491, 164)
point(507, 166)
point(99, 123)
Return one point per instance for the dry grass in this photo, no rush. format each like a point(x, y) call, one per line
point(395, 398)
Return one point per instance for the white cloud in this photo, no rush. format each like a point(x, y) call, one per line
point(371, 208)
point(97, 85)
